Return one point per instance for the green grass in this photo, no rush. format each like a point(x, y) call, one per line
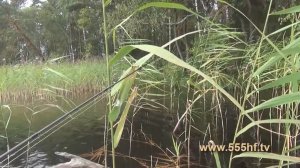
point(237, 72)
point(221, 64)
point(64, 75)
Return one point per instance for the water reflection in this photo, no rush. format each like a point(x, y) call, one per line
point(82, 134)
point(85, 133)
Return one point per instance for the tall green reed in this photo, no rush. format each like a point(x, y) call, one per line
point(285, 101)
point(248, 91)
point(6, 114)
point(121, 90)
point(154, 50)
point(108, 73)
point(33, 77)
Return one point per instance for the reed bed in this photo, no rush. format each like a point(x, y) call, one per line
point(42, 81)
point(223, 70)
point(29, 96)
point(259, 80)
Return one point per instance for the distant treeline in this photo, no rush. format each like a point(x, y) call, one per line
point(50, 29)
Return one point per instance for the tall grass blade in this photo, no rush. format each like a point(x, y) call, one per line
point(120, 127)
point(142, 60)
point(293, 44)
point(271, 156)
point(280, 100)
point(217, 159)
point(113, 115)
point(107, 2)
point(270, 121)
point(58, 74)
point(56, 59)
point(167, 5)
point(7, 119)
point(115, 89)
point(168, 56)
point(293, 149)
point(282, 81)
point(57, 88)
point(283, 165)
point(294, 9)
point(124, 90)
point(121, 53)
point(283, 29)
point(127, 86)
point(288, 50)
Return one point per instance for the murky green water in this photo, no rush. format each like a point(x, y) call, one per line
point(82, 135)
point(147, 135)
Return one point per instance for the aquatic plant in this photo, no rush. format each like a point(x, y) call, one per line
point(259, 74)
point(30, 80)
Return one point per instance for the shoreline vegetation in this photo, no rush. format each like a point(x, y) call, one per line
point(44, 81)
point(216, 60)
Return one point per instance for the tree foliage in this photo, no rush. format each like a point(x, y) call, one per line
point(72, 28)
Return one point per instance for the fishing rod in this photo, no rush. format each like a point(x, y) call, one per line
point(39, 134)
point(44, 135)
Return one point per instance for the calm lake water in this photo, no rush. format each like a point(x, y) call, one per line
point(83, 134)
point(147, 137)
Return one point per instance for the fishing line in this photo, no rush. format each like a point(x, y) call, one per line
point(58, 121)
point(38, 134)
point(45, 135)
point(42, 134)
point(62, 122)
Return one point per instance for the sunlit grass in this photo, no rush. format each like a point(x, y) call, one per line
point(32, 77)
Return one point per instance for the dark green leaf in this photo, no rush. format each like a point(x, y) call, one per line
point(121, 53)
point(282, 81)
point(280, 100)
point(114, 114)
point(271, 156)
point(121, 123)
point(294, 9)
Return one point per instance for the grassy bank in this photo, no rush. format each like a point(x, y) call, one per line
point(32, 78)
point(245, 92)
